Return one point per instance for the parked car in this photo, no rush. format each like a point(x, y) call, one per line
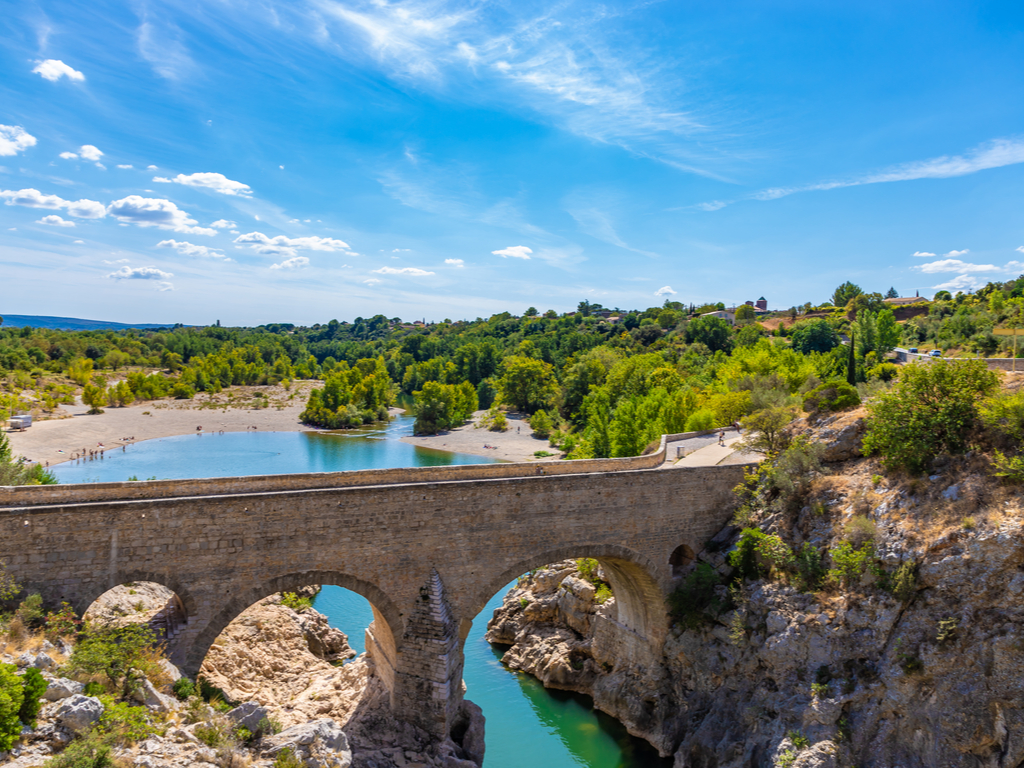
point(913, 350)
point(935, 353)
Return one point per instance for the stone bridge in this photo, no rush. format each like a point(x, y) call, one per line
point(427, 547)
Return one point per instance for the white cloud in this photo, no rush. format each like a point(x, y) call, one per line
point(189, 249)
point(282, 245)
point(55, 221)
point(924, 255)
point(955, 265)
point(79, 242)
point(714, 205)
point(89, 152)
point(992, 154)
point(126, 166)
point(54, 69)
point(163, 286)
point(116, 261)
point(371, 281)
point(14, 139)
point(33, 198)
point(956, 254)
point(295, 262)
point(223, 224)
point(665, 290)
point(218, 182)
point(155, 212)
point(151, 168)
point(68, 156)
point(140, 273)
point(959, 283)
point(515, 251)
point(399, 250)
point(455, 262)
point(412, 271)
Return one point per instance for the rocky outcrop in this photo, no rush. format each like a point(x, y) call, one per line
point(837, 677)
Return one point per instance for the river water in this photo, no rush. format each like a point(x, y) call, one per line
point(527, 725)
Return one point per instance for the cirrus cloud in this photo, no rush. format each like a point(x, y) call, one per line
point(218, 182)
point(514, 251)
point(54, 69)
point(155, 212)
point(14, 139)
point(411, 271)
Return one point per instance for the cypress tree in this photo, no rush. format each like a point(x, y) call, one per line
point(851, 363)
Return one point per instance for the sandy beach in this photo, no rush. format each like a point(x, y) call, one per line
point(515, 444)
point(57, 440)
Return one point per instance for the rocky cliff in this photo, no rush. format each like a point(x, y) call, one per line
point(912, 656)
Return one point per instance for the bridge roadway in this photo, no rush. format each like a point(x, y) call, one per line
point(427, 547)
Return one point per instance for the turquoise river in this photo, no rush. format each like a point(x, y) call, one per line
point(527, 725)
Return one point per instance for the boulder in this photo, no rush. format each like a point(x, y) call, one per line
point(148, 694)
point(170, 670)
point(43, 661)
point(79, 713)
point(25, 660)
point(62, 688)
point(248, 715)
point(319, 744)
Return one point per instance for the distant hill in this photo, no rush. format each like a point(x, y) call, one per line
point(72, 323)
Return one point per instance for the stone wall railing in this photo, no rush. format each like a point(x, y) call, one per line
point(39, 495)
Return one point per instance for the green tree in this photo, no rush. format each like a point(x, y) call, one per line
point(814, 336)
point(841, 296)
point(80, 371)
point(745, 313)
point(442, 406)
point(122, 654)
point(865, 328)
point(768, 429)
point(541, 424)
point(888, 332)
point(95, 397)
point(34, 686)
point(12, 695)
point(120, 394)
point(851, 362)
point(891, 294)
point(626, 431)
point(714, 332)
point(527, 384)
point(929, 411)
point(942, 296)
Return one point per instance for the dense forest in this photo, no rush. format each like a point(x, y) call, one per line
point(597, 382)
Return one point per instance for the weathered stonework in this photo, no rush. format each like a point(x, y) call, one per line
point(427, 555)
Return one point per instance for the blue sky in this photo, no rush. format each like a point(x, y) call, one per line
point(314, 159)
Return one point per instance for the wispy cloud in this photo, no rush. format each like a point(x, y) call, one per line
point(924, 255)
point(190, 249)
point(993, 154)
point(411, 271)
point(514, 251)
point(217, 182)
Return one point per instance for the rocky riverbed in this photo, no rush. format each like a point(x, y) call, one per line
point(850, 675)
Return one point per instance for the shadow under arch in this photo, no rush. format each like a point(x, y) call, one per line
point(384, 611)
point(639, 600)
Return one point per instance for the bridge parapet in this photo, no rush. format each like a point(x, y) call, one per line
point(36, 495)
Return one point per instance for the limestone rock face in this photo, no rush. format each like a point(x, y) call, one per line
point(62, 688)
point(79, 713)
point(319, 744)
point(248, 715)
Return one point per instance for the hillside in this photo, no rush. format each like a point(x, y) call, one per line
point(73, 323)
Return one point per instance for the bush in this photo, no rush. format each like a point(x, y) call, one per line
point(12, 695)
point(541, 424)
point(1008, 467)
point(692, 600)
point(700, 421)
point(903, 583)
point(884, 372)
point(124, 655)
point(830, 397)
point(183, 688)
point(296, 603)
point(588, 568)
point(63, 622)
point(287, 759)
point(34, 687)
point(125, 724)
point(214, 733)
point(499, 423)
point(31, 610)
point(1003, 416)
point(930, 410)
point(849, 564)
point(767, 430)
point(91, 752)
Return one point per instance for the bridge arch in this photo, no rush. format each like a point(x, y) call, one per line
point(639, 600)
point(386, 614)
point(96, 590)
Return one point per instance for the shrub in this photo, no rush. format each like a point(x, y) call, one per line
point(210, 692)
point(12, 695)
point(809, 568)
point(34, 686)
point(930, 410)
point(947, 631)
point(541, 424)
point(744, 557)
point(31, 610)
point(296, 603)
point(1003, 416)
point(268, 726)
point(124, 655)
point(126, 724)
point(1010, 468)
point(767, 430)
point(883, 372)
point(588, 568)
point(849, 564)
point(183, 688)
point(287, 759)
point(499, 423)
point(603, 593)
point(830, 397)
point(859, 530)
point(214, 733)
point(91, 752)
point(697, 596)
point(63, 622)
point(903, 583)
point(700, 421)
point(94, 689)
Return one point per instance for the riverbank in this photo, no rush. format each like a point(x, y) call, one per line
point(239, 409)
point(514, 444)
